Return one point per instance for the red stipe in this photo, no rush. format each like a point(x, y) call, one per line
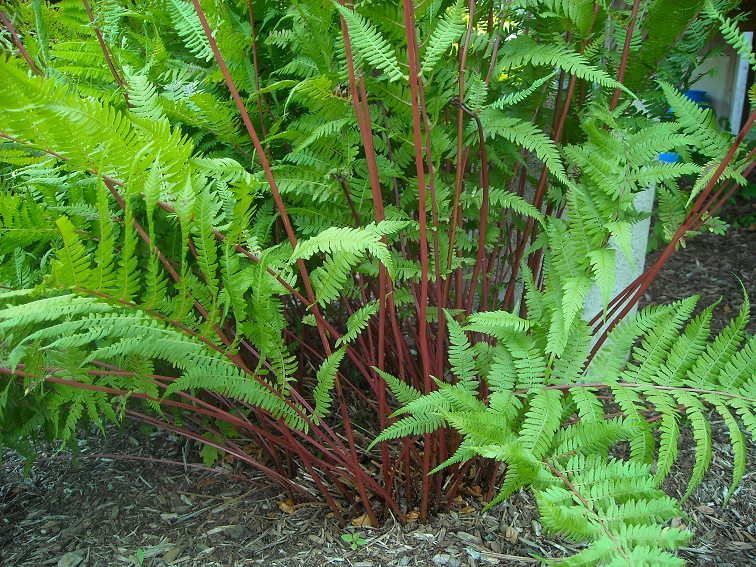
point(625, 53)
point(480, 261)
point(19, 44)
point(461, 155)
point(261, 156)
point(256, 65)
point(409, 24)
point(105, 52)
point(362, 113)
point(440, 334)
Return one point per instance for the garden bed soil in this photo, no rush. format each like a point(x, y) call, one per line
point(130, 498)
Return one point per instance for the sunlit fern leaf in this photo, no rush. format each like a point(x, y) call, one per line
point(73, 268)
point(188, 26)
point(523, 51)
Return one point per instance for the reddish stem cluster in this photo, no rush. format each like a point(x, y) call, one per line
point(333, 460)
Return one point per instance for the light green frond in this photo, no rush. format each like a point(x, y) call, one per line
point(447, 30)
point(326, 378)
point(370, 45)
point(541, 422)
point(358, 322)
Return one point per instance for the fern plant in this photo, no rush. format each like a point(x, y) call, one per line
point(543, 418)
point(265, 225)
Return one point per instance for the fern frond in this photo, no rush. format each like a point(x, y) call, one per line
point(523, 52)
point(326, 378)
point(525, 134)
point(352, 241)
point(370, 44)
point(541, 421)
point(358, 322)
point(447, 30)
point(188, 26)
point(73, 267)
point(519, 96)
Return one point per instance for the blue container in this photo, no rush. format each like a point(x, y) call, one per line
point(701, 97)
point(669, 157)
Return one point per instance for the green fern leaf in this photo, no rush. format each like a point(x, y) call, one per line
point(358, 322)
point(517, 97)
point(370, 44)
point(541, 422)
point(326, 378)
point(73, 266)
point(447, 31)
point(405, 393)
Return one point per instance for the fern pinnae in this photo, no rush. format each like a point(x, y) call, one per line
point(370, 44)
point(702, 436)
point(519, 96)
point(738, 442)
point(358, 322)
point(668, 446)
point(541, 421)
point(447, 30)
point(461, 357)
point(188, 26)
point(326, 378)
point(206, 210)
point(410, 425)
point(720, 350)
point(404, 392)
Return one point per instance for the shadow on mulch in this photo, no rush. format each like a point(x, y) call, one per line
point(119, 511)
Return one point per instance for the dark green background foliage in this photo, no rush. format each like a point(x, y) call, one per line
point(272, 224)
